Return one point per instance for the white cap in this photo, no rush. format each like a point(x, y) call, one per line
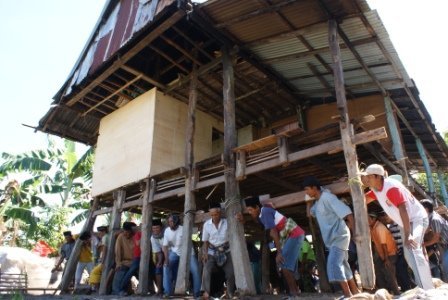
point(373, 169)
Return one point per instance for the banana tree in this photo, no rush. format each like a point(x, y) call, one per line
point(57, 184)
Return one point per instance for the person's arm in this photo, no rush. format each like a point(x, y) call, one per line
point(159, 259)
point(384, 255)
point(118, 252)
point(165, 254)
point(351, 225)
point(435, 238)
point(276, 238)
point(408, 238)
point(205, 251)
point(58, 264)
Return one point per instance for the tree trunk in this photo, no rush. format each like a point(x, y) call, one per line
point(238, 249)
point(145, 243)
point(183, 273)
point(362, 238)
point(70, 268)
point(114, 227)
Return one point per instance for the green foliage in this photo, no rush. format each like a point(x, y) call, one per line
point(42, 188)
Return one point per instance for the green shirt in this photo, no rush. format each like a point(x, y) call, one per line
point(308, 250)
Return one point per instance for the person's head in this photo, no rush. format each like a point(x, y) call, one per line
point(85, 237)
point(253, 206)
point(102, 230)
point(372, 218)
point(373, 176)
point(311, 186)
point(68, 236)
point(173, 221)
point(215, 211)
point(156, 227)
point(428, 205)
point(384, 218)
point(129, 228)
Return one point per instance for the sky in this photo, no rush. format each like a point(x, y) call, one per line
point(41, 41)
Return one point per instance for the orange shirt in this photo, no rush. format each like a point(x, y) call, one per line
point(381, 235)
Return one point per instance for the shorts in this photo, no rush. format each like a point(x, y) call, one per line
point(338, 268)
point(291, 251)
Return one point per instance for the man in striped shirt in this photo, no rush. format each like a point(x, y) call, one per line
point(287, 236)
point(401, 266)
point(439, 227)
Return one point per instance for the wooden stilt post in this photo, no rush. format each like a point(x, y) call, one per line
point(240, 257)
point(145, 243)
point(362, 238)
point(421, 151)
point(70, 268)
point(396, 139)
point(265, 263)
point(442, 187)
point(114, 227)
point(319, 251)
point(183, 273)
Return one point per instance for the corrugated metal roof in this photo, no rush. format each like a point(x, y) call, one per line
point(283, 60)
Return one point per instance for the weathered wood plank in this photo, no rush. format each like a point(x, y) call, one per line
point(183, 274)
point(114, 226)
point(145, 242)
point(70, 268)
point(362, 235)
point(243, 273)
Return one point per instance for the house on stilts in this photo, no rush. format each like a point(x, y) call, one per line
point(187, 102)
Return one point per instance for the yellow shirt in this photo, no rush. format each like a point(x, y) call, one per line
point(86, 254)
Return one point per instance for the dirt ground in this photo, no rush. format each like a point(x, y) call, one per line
point(305, 296)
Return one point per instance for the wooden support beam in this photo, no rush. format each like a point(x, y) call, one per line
point(442, 187)
point(243, 273)
point(265, 263)
point(183, 274)
point(321, 260)
point(114, 227)
point(283, 150)
point(358, 139)
point(397, 139)
point(207, 25)
point(72, 262)
point(145, 242)
point(168, 23)
point(297, 198)
point(424, 157)
point(204, 69)
point(362, 238)
point(129, 83)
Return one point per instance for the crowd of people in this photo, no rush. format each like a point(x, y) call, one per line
point(406, 234)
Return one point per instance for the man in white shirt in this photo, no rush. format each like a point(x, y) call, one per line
point(157, 252)
point(172, 240)
point(405, 210)
point(215, 250)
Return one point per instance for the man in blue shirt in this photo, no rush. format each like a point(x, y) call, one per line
point(331, 214)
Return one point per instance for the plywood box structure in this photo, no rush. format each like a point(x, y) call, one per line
point(147, 137)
